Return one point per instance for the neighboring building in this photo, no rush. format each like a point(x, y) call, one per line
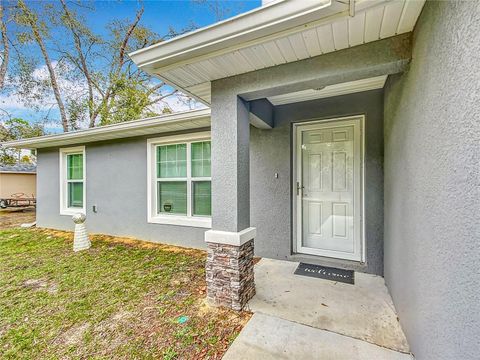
point(17, 180)
point(343, 134)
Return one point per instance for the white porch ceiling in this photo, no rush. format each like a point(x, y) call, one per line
point(329, 91)
point(335, 30)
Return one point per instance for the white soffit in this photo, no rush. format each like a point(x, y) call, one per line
point(280, 32)
point(350, 87)
point(181, 121)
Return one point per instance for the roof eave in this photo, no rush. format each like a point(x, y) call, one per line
point(109, 132)
point(255, 24)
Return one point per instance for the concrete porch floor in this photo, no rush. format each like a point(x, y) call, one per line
point(340, 321)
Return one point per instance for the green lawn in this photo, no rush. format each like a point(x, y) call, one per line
point(119, 299)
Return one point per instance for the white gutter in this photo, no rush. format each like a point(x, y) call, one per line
point(185, 120)
point(258, 23)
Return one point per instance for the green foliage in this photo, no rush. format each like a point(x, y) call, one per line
point(75, 111)
point(25, 159)
point(14, 129)
point(97, 82)
point(169, 353)
point(20, 129)
point(130, 102)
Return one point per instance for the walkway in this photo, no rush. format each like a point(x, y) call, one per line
point(298, 317)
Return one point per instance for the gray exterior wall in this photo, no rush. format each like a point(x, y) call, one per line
point(116, 171)
point(271, 198)
point(117, 184)
point(432, 185)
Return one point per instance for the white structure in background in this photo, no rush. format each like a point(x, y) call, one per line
point(80, 240)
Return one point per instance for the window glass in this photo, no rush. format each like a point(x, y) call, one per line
point(172, 161)
point(201, 166)
point(202, 198)
point(172, 197)
point(182, 179)
point(75, 167)
point(75, 194)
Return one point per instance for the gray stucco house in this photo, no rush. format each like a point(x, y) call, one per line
point(337, 133)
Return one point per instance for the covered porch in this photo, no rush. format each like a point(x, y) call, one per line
point(265, 74)
point(260, 179)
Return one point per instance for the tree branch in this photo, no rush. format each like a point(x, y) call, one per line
point(110, 92)
point(82, 61)
point(160, 98)
point(123, 47)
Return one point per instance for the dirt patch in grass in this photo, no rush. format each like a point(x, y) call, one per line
point(14, 218)
point(73, 336)
point(145, 244)
point(39, 285)
point(121, 299)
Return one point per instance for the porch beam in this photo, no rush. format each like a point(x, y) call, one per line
point(261, 114)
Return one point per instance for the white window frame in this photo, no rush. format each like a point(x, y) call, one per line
point(64, 209)
point(152, 189)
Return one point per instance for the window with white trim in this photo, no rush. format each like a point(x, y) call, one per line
point(72, 180)
point(180, 184)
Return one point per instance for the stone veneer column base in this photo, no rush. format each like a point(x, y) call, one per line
point(229, 268)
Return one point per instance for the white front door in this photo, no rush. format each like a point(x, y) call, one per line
point(329, 188)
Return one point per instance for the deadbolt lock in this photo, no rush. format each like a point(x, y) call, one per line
point(299, 188)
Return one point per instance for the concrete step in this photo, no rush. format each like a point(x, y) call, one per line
point(364, 311)
point(268, 337)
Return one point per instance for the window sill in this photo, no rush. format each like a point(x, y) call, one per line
point(71, 212)
point(181, 221)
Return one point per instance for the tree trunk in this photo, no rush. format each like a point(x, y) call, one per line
point(3, 30)
point(53, 80)
point(32, 21)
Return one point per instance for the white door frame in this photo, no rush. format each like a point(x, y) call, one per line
point(296, 198)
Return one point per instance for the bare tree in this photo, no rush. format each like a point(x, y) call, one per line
point(30, 19)
point(112, 95)
point(90, 80)
point(75, 27)
point(115, 70)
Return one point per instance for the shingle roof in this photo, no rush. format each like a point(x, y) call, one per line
point(18, 168)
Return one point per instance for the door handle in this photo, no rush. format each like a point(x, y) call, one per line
point(299, 188)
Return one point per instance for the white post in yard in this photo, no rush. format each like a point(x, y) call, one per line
point(80, 240)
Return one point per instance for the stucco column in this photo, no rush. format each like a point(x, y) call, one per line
point(230, 163)
point(229, 267)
